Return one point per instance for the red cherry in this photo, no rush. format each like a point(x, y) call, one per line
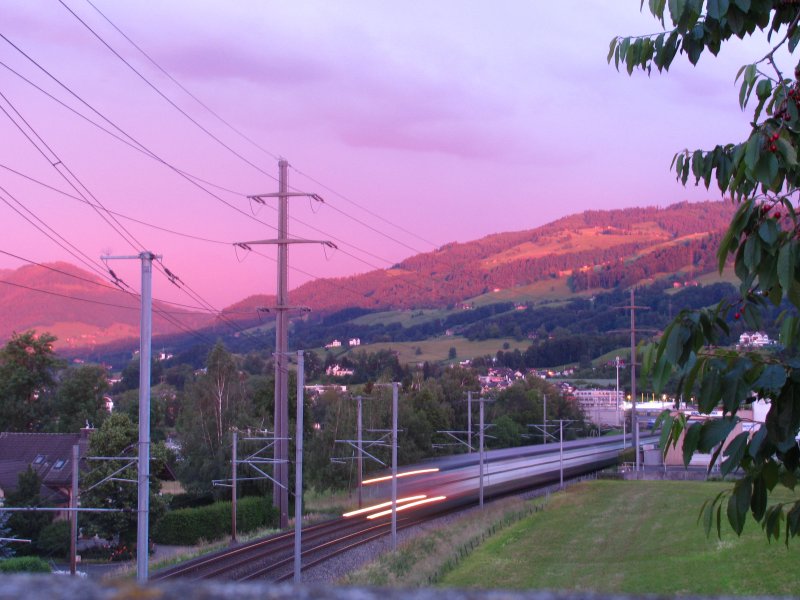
point(772, 147)
point(736, 316)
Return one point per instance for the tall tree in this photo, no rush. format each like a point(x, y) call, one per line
point(28, 525)
point(27, 375)
point(118, 437)
point(213, 403)
point(761, 174)
point(80, 398)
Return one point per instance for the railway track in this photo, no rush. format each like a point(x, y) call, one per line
point(272, 558)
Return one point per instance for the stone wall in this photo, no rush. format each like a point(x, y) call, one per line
point(59, 587)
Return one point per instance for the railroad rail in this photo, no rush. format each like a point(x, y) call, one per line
point(453, 480)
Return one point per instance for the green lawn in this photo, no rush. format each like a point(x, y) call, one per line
point(630, 537)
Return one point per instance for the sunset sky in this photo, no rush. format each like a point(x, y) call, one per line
point(419, 123)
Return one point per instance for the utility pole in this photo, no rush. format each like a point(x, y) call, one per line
point(480, 468)
point(481, 454)
point(359, 443)
point(280, 488)
point(634, 415)
point(143, 477)
point(616, 363)
point(561, 453)
point(298, 469)
point(469, 422)
point(73, 517)
point(394, 465)
point(544, 418)
point(234, 468)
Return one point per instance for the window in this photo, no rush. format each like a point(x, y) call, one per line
point(59, 464)
point(39, 459)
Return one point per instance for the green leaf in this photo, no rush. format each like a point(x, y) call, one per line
point(735, 21)
point(676, 10)
point(752, 253)
point(715, 431)
point(690, 441)
point(770, 472)
point(758, 502)
point(787, 151)
point(768, 231)
point(767, 168)
point(764, 89)
point(793, 521)
point(738, 504)
point(772, 521)
point(707, 516)
point(735, 452)
point(717, 8)
point(611, 47)
point(665, 421)
point(752, 150)
point(785, 265)
point(772, 379)
point(743, 4)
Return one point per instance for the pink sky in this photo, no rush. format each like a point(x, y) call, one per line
point(446, 121)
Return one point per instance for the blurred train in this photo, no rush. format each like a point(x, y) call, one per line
point(455, 480)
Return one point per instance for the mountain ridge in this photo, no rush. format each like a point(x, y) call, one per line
point(593, 249)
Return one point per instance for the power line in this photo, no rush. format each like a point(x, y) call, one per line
point(163, 314)
point(158, 91)
point(55, 161)
point(111, 287)
point(178, 83)
point(127, 236)
point(193, 179)
point(72, 250)
point(329, 281)
point(237, 130)
point(164, 96)
point(134, 146)
point(368, 211)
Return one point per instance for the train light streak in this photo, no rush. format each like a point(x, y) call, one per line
point(405, 506)
point(367, 509)
point(399, 475)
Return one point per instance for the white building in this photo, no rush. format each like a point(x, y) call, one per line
point(334, 344)
point(337, 371)
point(755, 339)
point(354, 342)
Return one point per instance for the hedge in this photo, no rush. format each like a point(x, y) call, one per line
point(187, 526)
point(53, 540)
point(24, 564)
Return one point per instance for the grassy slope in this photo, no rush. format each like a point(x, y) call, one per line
point(437, 349)
point(630, 537)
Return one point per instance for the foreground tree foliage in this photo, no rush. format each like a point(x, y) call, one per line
point(762, 175)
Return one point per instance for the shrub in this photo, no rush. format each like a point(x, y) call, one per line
point(187, 526)
point(188, 500)
point(54, 539)
point(24, 564)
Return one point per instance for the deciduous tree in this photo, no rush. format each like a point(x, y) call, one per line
point(80, 398)
point(761, 174)
point(28, 366)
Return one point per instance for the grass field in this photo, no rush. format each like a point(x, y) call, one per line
point(630, 537)
point(437, 349)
